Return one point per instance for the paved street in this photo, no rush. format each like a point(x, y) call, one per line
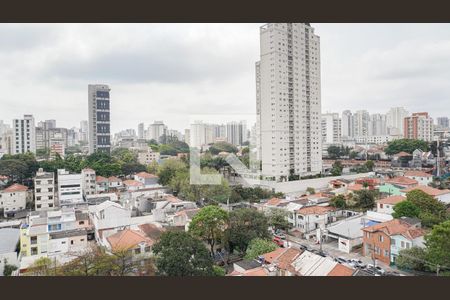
point(331, 250)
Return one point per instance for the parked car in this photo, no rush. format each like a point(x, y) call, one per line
point(278, 241)
point(341, 260)
point(376, 269)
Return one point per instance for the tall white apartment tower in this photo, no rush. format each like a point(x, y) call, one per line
point(331, 129)
point(288, 100)
point(395, 120)
point(24, 132)
point(99, 118)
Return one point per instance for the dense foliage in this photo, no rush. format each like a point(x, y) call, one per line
point(406, 145)
point(218, 147)
point(258, 247)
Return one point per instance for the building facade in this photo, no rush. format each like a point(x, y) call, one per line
point(69, 188)
point(331, 129)
point(395, 120)
point(99, 118)
point(418, 126)
point(289, 100)
point(24, 135)
point(44, 190)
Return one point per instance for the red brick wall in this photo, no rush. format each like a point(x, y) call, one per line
point(373, 242)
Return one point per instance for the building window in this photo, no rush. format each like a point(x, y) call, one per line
point(137, 251)
point(380, 238)
point(33, 240)
point(34, 251)
point(386, 253)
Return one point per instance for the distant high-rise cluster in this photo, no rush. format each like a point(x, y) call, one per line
point(202, 134)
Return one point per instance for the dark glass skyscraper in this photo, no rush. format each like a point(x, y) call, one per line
point(99, 118)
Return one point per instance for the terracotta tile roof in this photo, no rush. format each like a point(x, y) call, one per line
point(402, 153)
point(271, 256)
point(340, 270)
point(101, 179)
point(152, 231)
point(402, 180)
point(392, 200)
point(428, 189)
point(131, 182)
point(88, 170)
point(127, 239)
point(114, 179)
point(3, 177)
point(315, 210)
point(172, 199)
point(273, 202)
point(15, 188)
point(417, 174)
point(396, 227)
point(259, 271)
point(189, 213)
point(355, 187)
point(146, 175)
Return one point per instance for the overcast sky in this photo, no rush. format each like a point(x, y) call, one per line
point(171, 71)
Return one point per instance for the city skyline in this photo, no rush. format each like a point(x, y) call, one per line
point(218, 79)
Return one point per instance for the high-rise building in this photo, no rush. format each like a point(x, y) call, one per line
point(141, 131)
point(24, 135)
point(361, 123)
point(236, 133)
point(288, 100)
point(156, 130)
point(377, 125)
point(187, 136)
point(347, 124)
point(84, 131)
point(6, 139)
point(395, 119)
point(201, 134)
point(331, 129)
point(443, 122)
point(418, 126)
point(99, 118)
point(44, 190)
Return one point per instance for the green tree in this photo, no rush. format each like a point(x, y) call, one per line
point(258, 247)
point(336, 168)
point(412, 259)
point(153, 167)
point(406, 209)
point(14, 168)
point(310, 190)
point(432, 211)
point(369, 165)
point(438, 244)
point(209, 224)
point(219, 271)
point(406, 145)
point(338, 202)
point(218, 147)
point(180, 254)
point(365, 199)
point(245, 225)
point(277, 218)
point(334, 152)
point(8, 269)
point(168, 170)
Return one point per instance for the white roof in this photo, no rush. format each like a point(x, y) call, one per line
point(310, 264)
point(8, 239)
point(349, 228)
point(107, 204)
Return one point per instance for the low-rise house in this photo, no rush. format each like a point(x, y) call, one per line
point(184, 217)
point(133, 241)
point(147, 157)
point(401, 159)
point(9, 239)
point(108, 217)
point(386, 205)
point(146, 179)
point(102, 184)
point(441, 195)
point(114, 183)
point(132, 185)
point(379, 239)
point(311, 218)
point(421, 177)
point(13, 199)
point(403, 182)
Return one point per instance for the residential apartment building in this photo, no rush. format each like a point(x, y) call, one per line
point(201, 134)
point(289, 100)
point(443, 123)
point(44, 190)
point(361, 123)
point(395, 120)
point(99, 118)
point(147, 157)
point(377, 125)
point(418, 126)
point(69, 188)
point(54, 234)
point(13, 199)
point(141, 131)
point(156, 130)
point(236, 132)
point(347, 124)
point(331, 129)
point(88, 182)
point(24, 135)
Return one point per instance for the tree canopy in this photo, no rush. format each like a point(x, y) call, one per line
point(209, 225)
point(258, 247)
point(180, 254)
point(218, 147)
point(406, 145)
point(432, 211)
point(406, 209)
point(438, 244)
